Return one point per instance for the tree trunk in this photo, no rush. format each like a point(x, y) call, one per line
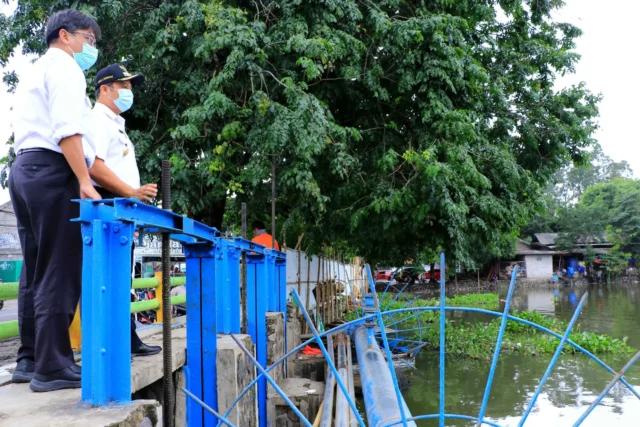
point(213, 215)
point(432, 273)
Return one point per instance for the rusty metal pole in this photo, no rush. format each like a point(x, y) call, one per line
point(273, 203)
point(167, 384)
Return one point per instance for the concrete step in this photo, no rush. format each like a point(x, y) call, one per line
point(21, 408)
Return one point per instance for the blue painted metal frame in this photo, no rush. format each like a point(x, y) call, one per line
point(496, 351)
point(213, 299)
point(105, 311)
point(257, 323)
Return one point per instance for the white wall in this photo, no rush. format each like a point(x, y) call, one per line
point(539, 266)
point(329, 269)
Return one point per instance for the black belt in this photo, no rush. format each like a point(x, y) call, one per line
point(35, 150)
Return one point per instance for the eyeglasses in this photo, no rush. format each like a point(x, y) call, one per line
point(90, 38)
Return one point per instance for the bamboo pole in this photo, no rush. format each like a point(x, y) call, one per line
point(298, 249)
point(306, 304)
point(317, 297)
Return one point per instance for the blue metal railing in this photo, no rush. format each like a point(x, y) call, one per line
point(213, 300)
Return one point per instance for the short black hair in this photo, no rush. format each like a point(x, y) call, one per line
point(72, 21)
point(258, 225)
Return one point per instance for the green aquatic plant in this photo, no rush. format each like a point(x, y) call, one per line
point(475, 336)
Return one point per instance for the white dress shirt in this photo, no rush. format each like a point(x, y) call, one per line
point(50, 103)
point(107, 138)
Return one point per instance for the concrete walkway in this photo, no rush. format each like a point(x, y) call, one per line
point(20, 407)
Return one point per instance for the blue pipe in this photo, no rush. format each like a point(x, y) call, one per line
point(554, 359)
point(401, 405)
point(272, 382)
point(378, 388)
point(496, 352)
point(396, 297)
point(608, 388)
point(330, 385)
point(342, 410)
point(355, 323)
point(207, 407)
point(442, 333)
point(447, 416)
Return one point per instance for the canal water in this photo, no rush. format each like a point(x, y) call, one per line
point(573, 384)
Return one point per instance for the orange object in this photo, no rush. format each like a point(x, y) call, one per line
point(265, 240)
point(75, 331)
point(310, 351)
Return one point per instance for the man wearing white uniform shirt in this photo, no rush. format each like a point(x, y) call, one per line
point(49, 171)
point(115, 171)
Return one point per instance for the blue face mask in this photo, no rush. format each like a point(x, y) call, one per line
point(125, 100)
point(87, 57)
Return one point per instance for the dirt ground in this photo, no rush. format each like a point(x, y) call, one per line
point(9, 350)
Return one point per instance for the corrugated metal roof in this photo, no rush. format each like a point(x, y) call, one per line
point(547, 239)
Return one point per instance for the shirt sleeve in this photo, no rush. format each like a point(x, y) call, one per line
point(66, 99)
point(95, 139)
point(89, 152)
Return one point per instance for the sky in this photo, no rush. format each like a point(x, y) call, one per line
point(609, 66)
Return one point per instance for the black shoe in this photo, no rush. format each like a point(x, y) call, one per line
point(58, 380)
point(25, 370)
point(146, 350)
point(76, 368)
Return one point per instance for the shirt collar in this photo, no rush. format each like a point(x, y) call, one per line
point(55, 51)
point(107, 111)
point(261, 232)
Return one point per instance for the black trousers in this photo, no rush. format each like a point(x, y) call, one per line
point(42, 185)
point(136, 342)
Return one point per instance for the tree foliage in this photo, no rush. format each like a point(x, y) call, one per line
point(398, 128)
point(562, 193)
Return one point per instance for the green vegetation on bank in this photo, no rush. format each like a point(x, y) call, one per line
point(476, 339)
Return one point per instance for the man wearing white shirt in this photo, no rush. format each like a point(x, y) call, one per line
point(49, 171)
point(115, 171)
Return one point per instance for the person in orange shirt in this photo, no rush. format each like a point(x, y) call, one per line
point(261, 236)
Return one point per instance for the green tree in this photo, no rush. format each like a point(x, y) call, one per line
point(558, 209)
point(616, 204)
point(396, 127)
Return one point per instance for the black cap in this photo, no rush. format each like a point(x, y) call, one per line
point(117, 73)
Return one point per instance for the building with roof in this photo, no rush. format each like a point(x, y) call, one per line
point(541, 256)
point(9, 240)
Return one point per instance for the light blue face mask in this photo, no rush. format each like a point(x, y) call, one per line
point(125, 100)
point(87, 57)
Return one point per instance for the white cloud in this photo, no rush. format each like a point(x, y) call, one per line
point(609, 66)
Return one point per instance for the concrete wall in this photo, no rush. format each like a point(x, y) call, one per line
point(275, 345)
point(539, 266)
point(235, 373)
point(294, 329)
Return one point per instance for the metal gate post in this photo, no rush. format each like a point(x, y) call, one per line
point(280, 280)
point(106, 288)
point(271, 282)
point(227, 287)
point(257, 291)
point(201, 333)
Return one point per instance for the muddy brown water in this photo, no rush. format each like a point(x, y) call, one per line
point(574, 383)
